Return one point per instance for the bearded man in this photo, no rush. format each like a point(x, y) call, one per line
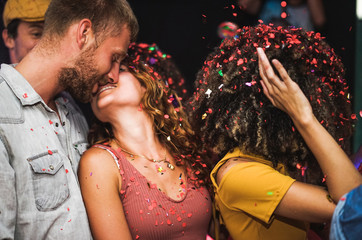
point(42, 132)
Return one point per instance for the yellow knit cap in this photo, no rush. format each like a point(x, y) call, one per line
point(26, 10)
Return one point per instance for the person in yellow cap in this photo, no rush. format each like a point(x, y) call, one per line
point(23, 21)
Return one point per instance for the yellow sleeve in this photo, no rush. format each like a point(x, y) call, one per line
point(254, 188)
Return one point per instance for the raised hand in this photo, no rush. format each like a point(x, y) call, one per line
point(284, 94)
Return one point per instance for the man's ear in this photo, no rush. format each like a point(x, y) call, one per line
point(8, 40)
point(84, 33)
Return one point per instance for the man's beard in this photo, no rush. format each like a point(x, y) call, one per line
point(80, 79)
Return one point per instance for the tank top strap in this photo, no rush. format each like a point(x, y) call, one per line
point(111, 151)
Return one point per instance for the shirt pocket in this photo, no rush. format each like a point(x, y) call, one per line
point(49, 180)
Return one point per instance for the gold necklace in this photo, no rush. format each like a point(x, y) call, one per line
point(132, 155)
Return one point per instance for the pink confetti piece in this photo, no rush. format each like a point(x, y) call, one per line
point(140, 108)
point(50, 122)
point(50, 152)
point(25, 95)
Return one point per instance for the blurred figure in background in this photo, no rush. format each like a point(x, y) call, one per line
point(307, 14)
point(23, 21)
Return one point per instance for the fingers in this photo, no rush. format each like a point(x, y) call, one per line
point(282, 72)
point(266, 92)
point(263, 61)
point(267, 68)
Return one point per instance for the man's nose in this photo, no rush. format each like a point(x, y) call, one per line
point(114, 73)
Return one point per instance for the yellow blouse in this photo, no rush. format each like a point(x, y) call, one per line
point(247, 197)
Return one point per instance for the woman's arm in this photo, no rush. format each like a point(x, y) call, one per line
point(301, 201)
point(341, 175)
point(100, 184)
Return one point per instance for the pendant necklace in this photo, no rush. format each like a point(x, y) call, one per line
point(159, 168)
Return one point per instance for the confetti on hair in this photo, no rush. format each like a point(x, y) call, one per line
point(208, 92)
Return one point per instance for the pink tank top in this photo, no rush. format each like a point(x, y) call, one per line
point(151, 214)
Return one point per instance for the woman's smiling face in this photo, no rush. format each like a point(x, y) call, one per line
point(127, 92)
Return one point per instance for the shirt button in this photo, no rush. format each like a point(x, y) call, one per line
point(51, 167)
point(57, 124)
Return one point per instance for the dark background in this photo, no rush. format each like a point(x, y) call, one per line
point(187, 29)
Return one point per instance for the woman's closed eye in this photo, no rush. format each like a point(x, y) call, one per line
point(123, 68)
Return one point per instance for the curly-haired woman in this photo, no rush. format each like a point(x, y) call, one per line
point(143, 177)
point(262, 152)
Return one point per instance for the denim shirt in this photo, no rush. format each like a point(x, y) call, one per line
point(40, 196)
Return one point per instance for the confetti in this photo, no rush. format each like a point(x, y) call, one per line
point(208, 92)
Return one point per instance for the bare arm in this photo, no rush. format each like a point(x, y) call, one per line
point(287, 96)
point(302, 201)
point(100, 183)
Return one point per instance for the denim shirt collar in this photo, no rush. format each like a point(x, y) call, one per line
point(19, 85)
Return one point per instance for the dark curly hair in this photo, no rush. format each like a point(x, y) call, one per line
point(161, 64)
point(170, 121)
point(230, 109)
